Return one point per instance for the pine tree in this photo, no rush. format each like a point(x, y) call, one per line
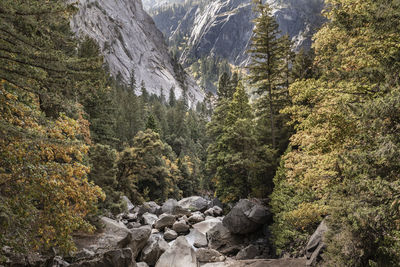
point(235, 150)
point(132, 81)
point(172, 98)
point(269, 74)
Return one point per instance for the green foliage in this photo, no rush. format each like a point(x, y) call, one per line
point(103, 172)
point(145, 169)
point(45, 194)
point(343, 162)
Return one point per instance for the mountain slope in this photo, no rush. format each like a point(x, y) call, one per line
point(129, 41)
point(223, 28)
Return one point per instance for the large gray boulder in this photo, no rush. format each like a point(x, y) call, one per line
point(196, 218)
point(154, 248)
point(180, 227)
point(221, 239)
point(171, 206)
point(197, 239)
point(149, 219)
point(180, 254)
point(246, 217)
point(115, 258)
point(114, 235)
point(170, 235)
point(206, 225)
point(165, 220)
point(316, 244)
point(150, 207)
point(194, 203)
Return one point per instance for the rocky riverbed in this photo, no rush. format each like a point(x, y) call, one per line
point(190, 232)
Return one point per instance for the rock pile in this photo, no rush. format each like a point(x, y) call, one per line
point(189, 232)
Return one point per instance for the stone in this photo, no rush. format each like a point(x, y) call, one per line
point(249, 252)
point(128, 203)
point(216, 203)
point(149, 207)
point(165, 220)
point(316, 244)
point(149, 219)
point(209, 255)
point(170, 234)
point(180, 254)
point(205, 226)
point(169, 206)
point(154, 248)
point(132, 225)
point(116, 258)
point(180, 227)
point(57, 261)
point(141, 264)
point(221, 239)
point(246, 217)
point(214, 211)
point(197, 239)
point(137, 239)
point(194, 203)
point(196, 218)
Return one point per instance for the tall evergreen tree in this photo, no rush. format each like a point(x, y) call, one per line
point(235, 150)
point(268, 74)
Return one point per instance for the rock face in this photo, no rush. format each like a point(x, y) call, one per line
point(246, 217)
point(316, 244)
point(223, 28)
point(180, 254)
point(129, 40)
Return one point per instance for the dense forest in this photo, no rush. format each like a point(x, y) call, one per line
point(315, 132)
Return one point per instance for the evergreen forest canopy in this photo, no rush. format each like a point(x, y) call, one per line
point(320, 139)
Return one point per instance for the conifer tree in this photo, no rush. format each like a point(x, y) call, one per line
point(269, 75)
point(235, 150)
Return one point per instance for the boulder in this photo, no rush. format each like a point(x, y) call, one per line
point(316, 244)
point(169, 206)
point(141, 264)
point(246, 217)
point(116, 258)
point(197, 239)
point(214, 211)
point(180, 254)
point(170, 234)
point(150, 207)
point(149, 218)
point(154, 248)
point(209, 255)
point(196, 218)
point(128, 203)
point(194, 203)
point(215, 202)
point(165, 220)
point(57, 261)
point(249, 252)
point(221, 239)
point(137, 239)
point(205, 226)
point(180, 227)
point(132, 225)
